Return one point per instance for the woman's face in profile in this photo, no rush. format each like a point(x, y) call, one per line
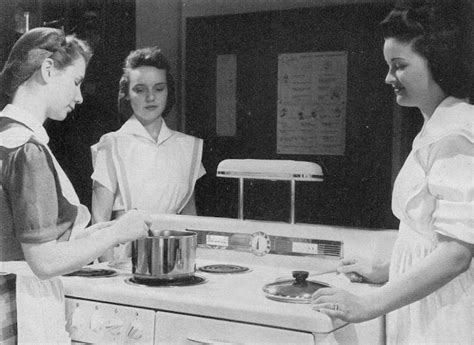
point(408, 74)
point(148, 92)
point(65, 89)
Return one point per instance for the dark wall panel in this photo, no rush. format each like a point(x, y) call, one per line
point(357, 186)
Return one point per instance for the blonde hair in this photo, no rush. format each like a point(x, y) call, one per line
point(29, 52)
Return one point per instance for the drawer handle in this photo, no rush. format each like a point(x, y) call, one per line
point(195, 340)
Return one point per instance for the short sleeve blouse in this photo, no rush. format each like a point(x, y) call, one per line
point(451, 181)
point(157, 176)
point(434, 191)
point(40, 211)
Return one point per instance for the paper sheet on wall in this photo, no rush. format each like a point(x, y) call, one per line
point(312, 93)
point(226, 80)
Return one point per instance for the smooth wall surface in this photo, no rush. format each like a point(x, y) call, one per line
point(159, 24)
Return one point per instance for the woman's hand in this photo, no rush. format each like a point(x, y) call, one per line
point(340, 304)
point(363, 270)
point(132, 225)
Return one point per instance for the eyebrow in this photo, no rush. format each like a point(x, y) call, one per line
point(396, 58)
point(143, 84)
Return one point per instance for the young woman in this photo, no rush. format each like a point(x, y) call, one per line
point(145, 165)
point(430, 291)
point(41, 219)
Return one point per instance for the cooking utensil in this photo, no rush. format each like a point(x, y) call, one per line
point(165, 255)
point(298, 290)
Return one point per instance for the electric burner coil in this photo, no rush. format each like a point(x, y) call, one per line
point(223, 269)
point(188, 281)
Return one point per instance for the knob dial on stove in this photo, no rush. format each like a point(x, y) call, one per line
point(260, 243)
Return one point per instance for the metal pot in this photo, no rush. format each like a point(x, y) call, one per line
point(167, 255)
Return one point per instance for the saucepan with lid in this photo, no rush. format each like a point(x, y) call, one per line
point(298, 290)
point(164, 255)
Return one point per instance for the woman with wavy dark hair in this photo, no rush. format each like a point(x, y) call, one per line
point(429, 295)
point(145, 165)
point(41, 219)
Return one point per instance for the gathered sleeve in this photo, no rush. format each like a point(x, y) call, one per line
point(104, 168)
point(451, 182)
point(40, 212)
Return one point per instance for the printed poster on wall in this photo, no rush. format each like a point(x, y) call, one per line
point(312, 95)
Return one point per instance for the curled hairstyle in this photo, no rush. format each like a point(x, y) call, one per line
point(29, 52)
point(150, 56)
point(436, 29)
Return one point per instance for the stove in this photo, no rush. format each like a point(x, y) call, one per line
point(228, 306)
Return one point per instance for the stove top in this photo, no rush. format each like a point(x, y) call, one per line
point(240, 297)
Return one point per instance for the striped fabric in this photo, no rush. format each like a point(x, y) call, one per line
point(8, 324)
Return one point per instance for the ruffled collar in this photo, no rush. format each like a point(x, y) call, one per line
point(452, 116)
point(32, 126)
point(134, 127)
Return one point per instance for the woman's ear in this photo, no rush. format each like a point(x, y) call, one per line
point(47, 69)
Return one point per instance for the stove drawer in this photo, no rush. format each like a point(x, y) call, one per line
point(171, 328)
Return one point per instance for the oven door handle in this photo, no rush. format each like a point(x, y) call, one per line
point(199, 341)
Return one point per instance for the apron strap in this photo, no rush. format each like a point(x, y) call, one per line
point(193, 171)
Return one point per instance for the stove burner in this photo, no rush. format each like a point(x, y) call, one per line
point(223, 268)
point(92, 272)
point(188, 281)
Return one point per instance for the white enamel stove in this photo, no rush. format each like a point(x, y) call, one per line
point(229, 308)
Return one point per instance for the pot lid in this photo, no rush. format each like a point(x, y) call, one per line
point(298, 290)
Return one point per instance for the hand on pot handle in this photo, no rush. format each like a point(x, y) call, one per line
point(132, 225)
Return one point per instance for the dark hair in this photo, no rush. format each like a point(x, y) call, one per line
point(29, 52)
point(149, 56)
point(437, 31)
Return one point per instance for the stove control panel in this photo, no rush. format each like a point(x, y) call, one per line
point(102, 323)
point(260, 243)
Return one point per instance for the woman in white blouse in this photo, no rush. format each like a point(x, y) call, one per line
point(145, 165)
point(430, 290)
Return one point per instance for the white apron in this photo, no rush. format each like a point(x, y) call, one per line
point(41, 314)
point(158, 177)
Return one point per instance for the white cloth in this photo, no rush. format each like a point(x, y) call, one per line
point(40, 303)
point(434, 193)
point(157, 177)
point(41, 313)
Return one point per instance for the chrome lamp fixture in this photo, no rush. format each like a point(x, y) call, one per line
point(273, 170)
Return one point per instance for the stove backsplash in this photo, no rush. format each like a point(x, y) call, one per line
point(299, 241)
point(281, 245)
